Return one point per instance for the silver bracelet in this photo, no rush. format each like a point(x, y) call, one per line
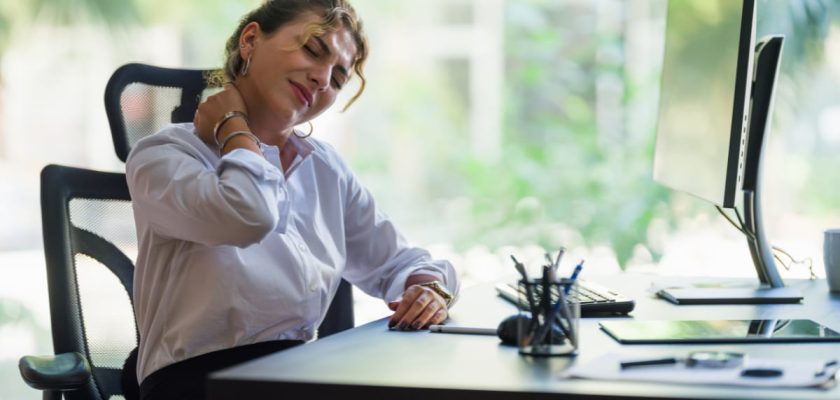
point(240, 133)
point(225, 118)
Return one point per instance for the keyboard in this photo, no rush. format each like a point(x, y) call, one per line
point(594, 298)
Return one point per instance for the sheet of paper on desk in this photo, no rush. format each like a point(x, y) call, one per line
point(795, 373)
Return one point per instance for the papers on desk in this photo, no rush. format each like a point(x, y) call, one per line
point(795, 373)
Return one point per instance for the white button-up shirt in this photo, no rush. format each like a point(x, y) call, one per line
point(232, 251)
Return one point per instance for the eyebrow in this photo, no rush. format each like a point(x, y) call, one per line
point(328, 51)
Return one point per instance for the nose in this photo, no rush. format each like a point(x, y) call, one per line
point(320, 77)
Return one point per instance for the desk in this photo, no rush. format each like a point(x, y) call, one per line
point(371, 362)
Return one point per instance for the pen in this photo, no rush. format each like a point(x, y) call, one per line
point(569, 283)
point(645, 363)
point(528, 292)
point(562, 306)
point(559, 256)
point(574, 277)
point(566, 316)
point(549, 259)
point(545, 301)
point(546, 306)
point(762, 373)
point(462, 329)
point(519, 267)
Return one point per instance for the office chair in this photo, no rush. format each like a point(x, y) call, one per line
point(89, 244)
point(88, 223)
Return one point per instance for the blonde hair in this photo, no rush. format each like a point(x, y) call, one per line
point(274, 14)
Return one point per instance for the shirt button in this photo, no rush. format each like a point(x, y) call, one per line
point(313, 287)
point(302, 247)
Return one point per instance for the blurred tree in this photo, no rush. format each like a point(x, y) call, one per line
point(558, 169)
point(15, 16)
point(81, 12)
point(805, 24)
point(563, 169)
point(808, 89)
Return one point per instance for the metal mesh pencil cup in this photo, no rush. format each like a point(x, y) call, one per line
point(549, 323)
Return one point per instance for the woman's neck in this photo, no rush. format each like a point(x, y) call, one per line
point(269, 127)
point(268, 131)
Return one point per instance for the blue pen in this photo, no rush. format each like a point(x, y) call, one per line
point(561, 306)
point(573, 278)
point(569, 283)
point(561, 302)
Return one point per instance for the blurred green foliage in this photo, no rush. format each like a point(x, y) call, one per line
point(559, 168)
point(806, 90)
point(563, 178)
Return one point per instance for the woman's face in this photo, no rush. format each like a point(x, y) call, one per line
point(287, 84)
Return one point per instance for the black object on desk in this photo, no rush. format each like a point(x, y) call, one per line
point(762, 373)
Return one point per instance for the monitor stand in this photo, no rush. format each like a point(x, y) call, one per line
point(772, 290)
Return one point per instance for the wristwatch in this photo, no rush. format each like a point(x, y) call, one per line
point(438, 288)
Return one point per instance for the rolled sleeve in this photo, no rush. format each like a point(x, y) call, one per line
point(379, 259)
point(441, 269)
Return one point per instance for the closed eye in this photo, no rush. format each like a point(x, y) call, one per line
point(325, 50)
point(337, 84)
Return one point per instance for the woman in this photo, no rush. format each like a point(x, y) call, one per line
point(246, 226)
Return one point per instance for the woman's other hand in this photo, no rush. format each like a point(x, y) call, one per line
point(212, 111)
point(418, 308)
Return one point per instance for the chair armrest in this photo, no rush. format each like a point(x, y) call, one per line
point(66, 371)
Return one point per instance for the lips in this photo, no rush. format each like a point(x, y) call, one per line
point(302, 93)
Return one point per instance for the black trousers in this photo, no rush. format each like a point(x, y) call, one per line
point(187, 380)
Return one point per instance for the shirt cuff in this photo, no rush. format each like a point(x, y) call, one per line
point(398, 286)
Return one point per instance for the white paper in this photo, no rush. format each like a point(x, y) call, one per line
point(795, 373)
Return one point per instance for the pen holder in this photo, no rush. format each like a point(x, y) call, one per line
point(551, 328)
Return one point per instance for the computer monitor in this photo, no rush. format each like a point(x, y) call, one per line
point(716, 98)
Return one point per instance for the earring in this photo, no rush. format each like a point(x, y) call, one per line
point(244, 70)
point(311, 129)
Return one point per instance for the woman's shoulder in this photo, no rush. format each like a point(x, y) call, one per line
point(181, 136)
point(170, 133)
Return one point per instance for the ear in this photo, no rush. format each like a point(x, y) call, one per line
point(248, 39)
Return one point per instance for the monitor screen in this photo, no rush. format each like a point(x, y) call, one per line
point(704, 97)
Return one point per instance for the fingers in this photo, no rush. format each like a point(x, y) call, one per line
point(431, 316)
point(419, 308)
point(226, 100)
point(439, 318)
point(401, 307)
point(212, 111)
point(408, 300)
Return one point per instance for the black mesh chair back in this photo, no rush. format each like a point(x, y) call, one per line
point(141, 99)
point(90, 245)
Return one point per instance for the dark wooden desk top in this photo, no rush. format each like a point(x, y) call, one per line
point(372, 362)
